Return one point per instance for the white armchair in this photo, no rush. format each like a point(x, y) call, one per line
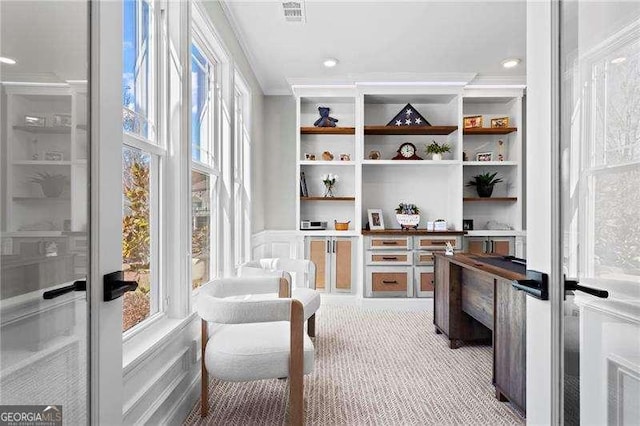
point(244, 339)
point(302, 275)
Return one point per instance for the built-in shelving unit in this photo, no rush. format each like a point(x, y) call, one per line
point(437, 187)
point(58, 146)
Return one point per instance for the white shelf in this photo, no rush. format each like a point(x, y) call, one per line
point(327, 163)
point(490, 163)
point(330, 233)
point(41, 163)
point(34, 234)
point(411, 162)
point(495, 233)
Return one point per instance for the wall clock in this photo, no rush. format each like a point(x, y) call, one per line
point(407, 151)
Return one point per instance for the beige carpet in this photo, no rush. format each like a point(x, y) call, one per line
point(373, 367)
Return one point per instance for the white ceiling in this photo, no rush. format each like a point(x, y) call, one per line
point(380, 40)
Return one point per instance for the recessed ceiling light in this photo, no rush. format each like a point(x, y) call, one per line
point(510, 63)
point(6, 60)
point(619, 60)
point(330, 62)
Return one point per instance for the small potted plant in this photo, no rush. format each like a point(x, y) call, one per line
point(52, 185)
point(484, 183)
point(436, 150)
point(329, 181)
point(408, 216)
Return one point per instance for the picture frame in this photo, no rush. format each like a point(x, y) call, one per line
point(61, 120)
point(376, 221)
point(309, 157)
point(499, 122)
point(345, 157)
point(54, 156)
point(35, 121)
point(472, 121)
point(484, 156)
point(467, 224)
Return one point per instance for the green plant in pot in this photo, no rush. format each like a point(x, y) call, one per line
point(52, 185)
point(484, 183)
point(436, 150)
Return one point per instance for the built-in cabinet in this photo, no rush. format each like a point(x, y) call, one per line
point(400, 264)
point(360, 150)
point(335, 262)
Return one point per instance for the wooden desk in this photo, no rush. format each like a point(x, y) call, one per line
point(474, 301)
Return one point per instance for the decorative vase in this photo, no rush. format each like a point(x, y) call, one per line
point(408, 221)
point(484, 191)
point(328, 190)
point(52, 189)
point(436, 157)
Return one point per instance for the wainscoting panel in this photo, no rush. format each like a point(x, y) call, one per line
point(287, 244)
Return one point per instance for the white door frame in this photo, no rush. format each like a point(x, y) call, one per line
point(106, 386)
point(543, 213)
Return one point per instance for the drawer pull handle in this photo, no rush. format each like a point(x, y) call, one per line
point(389, 258)
point(390, 243)
point(389, 282)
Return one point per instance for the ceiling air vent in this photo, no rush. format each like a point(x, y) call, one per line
point(293, 11)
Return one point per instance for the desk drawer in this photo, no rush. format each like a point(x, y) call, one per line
point(437, 242)
point(389, 243)
point(389, 258)
point(389, 281)
point(424, 258)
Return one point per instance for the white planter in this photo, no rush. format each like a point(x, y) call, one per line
point(408, 220)
point(436, 157)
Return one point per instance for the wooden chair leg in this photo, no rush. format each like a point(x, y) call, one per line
point(311, 326)
point(296, 365)
point(204, 376)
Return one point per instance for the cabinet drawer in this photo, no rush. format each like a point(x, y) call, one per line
point(389, 281)
point(389, 258)
point(437, 242)
point(389, 243)
point(424, 258)
point(424, 281)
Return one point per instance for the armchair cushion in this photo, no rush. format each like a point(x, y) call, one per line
point(245, 352)
point(310, 300)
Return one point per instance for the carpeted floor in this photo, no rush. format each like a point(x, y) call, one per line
point(373, 367)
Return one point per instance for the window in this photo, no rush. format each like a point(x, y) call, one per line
point(142, 160)
point(203, 166)
point(242, 171)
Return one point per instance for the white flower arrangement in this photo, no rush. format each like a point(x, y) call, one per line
point(329, 179)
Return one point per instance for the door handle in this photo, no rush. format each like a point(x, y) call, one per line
point(571, 285)
point(76, 286)
point(536, 284)
point(334, 246)
point(115, 285)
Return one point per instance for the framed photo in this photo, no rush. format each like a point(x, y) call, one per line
point(35, 121)
point(61, 120)
point(473, 121)
point(467, 225)
point(54, 156)
point(484, 156)
point(500, 122)
point(376, 222)
point(309, 157)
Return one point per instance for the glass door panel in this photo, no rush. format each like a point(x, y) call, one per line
point(44, 208)
point(600, 168)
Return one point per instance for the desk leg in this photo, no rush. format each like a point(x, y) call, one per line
point(438, 331)
point(455, 343)
point(500, 396)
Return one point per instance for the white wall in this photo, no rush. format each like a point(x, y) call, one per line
point(279, 159)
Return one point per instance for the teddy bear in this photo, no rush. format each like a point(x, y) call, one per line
point(325, 120)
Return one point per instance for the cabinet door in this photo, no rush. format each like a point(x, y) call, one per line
point(318, 252)
point(502, 246)
point(424, 281)
point(476, 245)
point(342, 249)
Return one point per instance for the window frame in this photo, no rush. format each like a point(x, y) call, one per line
point(242, 169)
point(156, 147)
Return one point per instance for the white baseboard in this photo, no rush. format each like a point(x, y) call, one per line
point(181, 409)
